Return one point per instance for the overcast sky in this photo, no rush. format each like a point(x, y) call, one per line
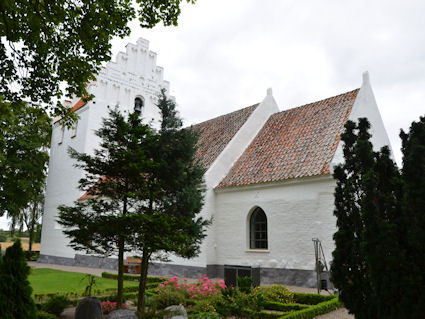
point(226, 53)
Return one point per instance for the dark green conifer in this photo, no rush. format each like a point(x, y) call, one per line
point(349, 269)
point(15, 289)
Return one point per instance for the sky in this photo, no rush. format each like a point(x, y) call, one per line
point(224, 54)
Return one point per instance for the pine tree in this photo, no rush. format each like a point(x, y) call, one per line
point(15, 289)
point(114, 180)
point(169, 222)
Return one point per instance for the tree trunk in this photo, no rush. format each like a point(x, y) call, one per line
point(31, 228)
point(120, 271)
point(121, 260)
point(142, 283)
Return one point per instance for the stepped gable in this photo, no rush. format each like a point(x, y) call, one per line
point(216, 133)
point(294, 143)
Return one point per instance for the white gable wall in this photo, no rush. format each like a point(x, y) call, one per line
point(297, 211)
point(365, 106)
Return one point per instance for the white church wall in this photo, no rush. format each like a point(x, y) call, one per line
point(62, 183)
point(133, 74)
point(218, 171)
point(297, 211)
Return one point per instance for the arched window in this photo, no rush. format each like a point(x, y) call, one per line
point(258, 229)
point(138, 105)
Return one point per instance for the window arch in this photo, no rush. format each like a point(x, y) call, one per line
point(139, 103)
point(258, 229)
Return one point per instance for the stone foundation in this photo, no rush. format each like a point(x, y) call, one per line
point(292, 277)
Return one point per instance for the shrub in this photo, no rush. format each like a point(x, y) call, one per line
point(168, 297)
point(45, 315)
point(316, 310)
point(3, 237)
point(311, 299)
point(55, 305)
point(206, 315)
point(277, 293)
point(245, 284)
point(132, 277)
point(239, 304)
point(109, 306)
point(15, 289)
point(205, 305)
point(203, 288)
point(272, 305)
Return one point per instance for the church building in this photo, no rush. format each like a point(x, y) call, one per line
point(269, 185)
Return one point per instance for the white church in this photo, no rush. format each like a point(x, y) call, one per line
point(269, 185)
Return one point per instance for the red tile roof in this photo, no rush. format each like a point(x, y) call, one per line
point(216, 133)
point(80, 103)
point(298, 142)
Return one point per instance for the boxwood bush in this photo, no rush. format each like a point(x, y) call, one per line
point(311, 299)
point(133, 277)
point(315, 310)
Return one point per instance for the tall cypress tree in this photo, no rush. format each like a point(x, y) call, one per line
point(384, 237)
point(15, 290)
point(349, 269)
point(380, 244)
point(413, 173)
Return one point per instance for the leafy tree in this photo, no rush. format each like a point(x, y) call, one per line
point(24, 141)
point(30, 217)
point(168, 223)
point(15, 290)
point(101, 224)
point(46, 43)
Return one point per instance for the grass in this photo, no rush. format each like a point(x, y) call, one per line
point(49, 281)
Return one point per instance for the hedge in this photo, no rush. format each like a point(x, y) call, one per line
point(132, 277)
point(311, 299)
point(272, 305)
point(316, 310)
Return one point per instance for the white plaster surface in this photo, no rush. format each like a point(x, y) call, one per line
point(296, 211)
point(365, 106)
point(133, 74)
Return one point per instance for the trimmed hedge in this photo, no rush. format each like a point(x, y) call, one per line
point(133, 277)
point(272, 305)
point(270, 315)
point(45, 315)
point(311, 299)
point(316, 310)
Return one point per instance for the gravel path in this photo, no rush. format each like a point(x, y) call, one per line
point(69, 312)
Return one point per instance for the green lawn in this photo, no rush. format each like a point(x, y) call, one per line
point(47, 281)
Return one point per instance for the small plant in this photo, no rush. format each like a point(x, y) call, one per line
point(55, 305)
point(203, 288)
point(109, 306)
point(277, 293)
point(90, 284)
point(245, 284)
point(168, 297)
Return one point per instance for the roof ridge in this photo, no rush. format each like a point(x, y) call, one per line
point(220, 116)
point(319, 101)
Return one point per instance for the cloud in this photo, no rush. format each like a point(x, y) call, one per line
point(225, 54)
